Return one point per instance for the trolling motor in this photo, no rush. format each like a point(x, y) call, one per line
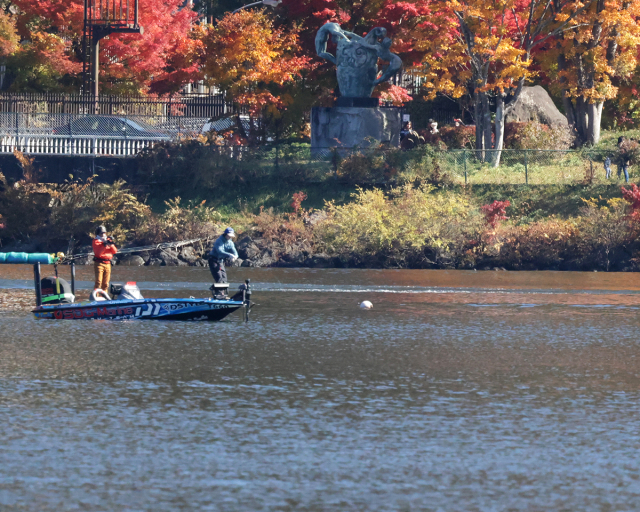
point(246, 298)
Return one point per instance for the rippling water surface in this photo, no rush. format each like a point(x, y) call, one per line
point(459, 391)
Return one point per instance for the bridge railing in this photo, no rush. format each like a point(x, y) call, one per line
point(77, 146)
point(73, 125)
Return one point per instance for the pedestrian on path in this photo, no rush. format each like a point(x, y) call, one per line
point(607, 167)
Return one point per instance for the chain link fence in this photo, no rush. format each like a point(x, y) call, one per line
point(127, 136)
point(211, 165)
point(531, 166)
point(383, 166)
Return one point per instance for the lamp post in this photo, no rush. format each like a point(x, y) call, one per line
point(270, 3)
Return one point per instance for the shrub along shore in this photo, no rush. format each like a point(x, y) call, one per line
point(410, 225)
point(380, 209)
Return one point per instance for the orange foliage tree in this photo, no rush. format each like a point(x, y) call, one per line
point(252, 61)
point(598, 49)
point(486, 48)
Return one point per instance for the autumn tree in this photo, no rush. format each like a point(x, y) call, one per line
point(486, 48)
point(51, 50)
point(598, 50)
point(252, 61)
point(9, 39)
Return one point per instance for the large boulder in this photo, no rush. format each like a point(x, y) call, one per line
point(188, 255)
point(535, 104)
point(169, 259)
point(263, 260)
point(321, 260)
point(132, 260)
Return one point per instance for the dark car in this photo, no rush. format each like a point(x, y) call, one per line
point(109, 127)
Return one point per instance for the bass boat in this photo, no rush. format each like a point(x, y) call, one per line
point(55, 300)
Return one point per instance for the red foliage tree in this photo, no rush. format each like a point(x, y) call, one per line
point(632, 196)
point(162, 58)
point(495, 212)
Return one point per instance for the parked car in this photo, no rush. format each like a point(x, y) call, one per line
point(225, 123)
point(110, 127)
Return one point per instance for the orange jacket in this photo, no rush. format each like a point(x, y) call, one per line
point(101, 251)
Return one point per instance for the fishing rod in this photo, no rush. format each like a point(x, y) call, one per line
point(129, 250)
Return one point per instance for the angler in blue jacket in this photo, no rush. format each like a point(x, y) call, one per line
point(223, 249)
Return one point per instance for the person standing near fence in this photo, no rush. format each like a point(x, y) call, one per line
point(607, 167)
point(623, 158)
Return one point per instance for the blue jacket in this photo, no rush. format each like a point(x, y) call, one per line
point(223, 249)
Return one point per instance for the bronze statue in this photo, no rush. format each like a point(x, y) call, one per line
point(356, 58)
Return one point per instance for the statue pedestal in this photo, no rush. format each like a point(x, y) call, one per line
point(343, 101)
point(347, 127)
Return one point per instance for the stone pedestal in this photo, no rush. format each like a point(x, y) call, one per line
point(347, 127)
point(343, 101)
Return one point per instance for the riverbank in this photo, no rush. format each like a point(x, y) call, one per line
point(588, 226)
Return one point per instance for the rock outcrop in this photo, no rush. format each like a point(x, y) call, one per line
point(132, 260)
point(535, 104)
point(253, 251)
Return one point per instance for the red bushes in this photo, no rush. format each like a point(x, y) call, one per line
point(495, 212)
point(296, 204)
point(632, 196)
point(458, 136)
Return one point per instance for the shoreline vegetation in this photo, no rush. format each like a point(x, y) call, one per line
point(417, 218)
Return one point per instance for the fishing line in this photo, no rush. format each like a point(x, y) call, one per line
point(129, 250)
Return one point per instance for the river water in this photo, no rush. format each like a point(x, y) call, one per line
point(458, 391)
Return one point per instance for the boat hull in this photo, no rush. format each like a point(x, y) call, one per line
point(142, 309)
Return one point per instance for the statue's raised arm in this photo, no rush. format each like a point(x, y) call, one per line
point(326, 32)
point(395, 64)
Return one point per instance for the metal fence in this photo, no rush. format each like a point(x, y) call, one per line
point(215, 164)
point(387, 167)
point(182, 105)
point(530, 166)
point(93, 135)
point(127, 136)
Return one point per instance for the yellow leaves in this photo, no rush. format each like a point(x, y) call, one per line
point(9, 39)
point(245, 52)
point(410, 218)
point(485, 40)
point(476, 38)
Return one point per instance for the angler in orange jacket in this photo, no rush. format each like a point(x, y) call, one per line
point(103, 251)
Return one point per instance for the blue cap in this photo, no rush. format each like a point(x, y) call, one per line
point(230, 232)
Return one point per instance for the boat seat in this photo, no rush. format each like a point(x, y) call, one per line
point(219, 290)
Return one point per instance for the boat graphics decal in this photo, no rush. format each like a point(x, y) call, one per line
point(200, 310)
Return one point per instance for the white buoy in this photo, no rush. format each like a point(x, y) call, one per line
point(365, 304)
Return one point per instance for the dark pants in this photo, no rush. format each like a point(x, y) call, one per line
point(218, 271)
